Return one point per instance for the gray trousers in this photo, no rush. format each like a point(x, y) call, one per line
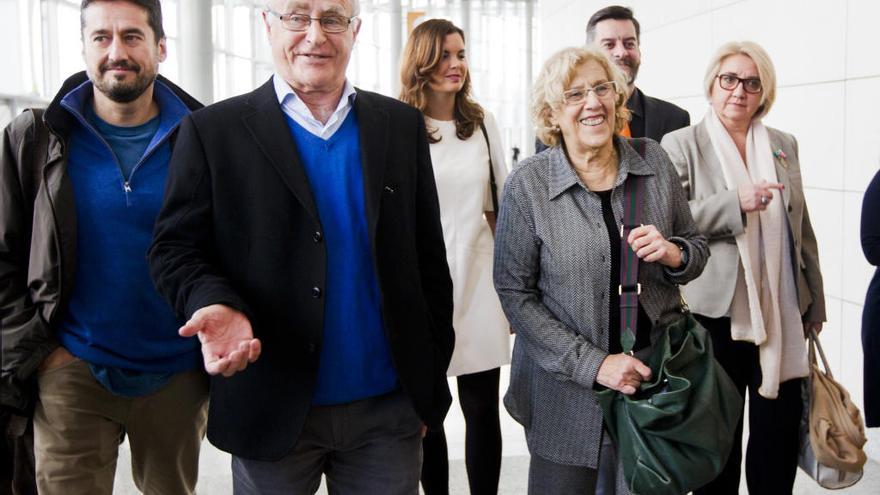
point(547, 477)
point(363, 447)
point(550, 478)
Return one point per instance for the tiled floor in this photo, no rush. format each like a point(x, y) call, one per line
point(215, 477)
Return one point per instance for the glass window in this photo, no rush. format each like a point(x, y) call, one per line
point(47, 36)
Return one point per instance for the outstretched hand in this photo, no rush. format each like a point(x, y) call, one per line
point(228, 342)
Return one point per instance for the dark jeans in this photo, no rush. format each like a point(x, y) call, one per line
point(17, 475)
point(478, 395)
point(367, 446)
point(771, 456)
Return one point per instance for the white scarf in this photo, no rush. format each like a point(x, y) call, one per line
point(764, 309)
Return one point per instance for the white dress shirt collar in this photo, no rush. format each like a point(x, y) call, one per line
point(293, 106)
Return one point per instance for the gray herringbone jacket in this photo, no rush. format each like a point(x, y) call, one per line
point(552, 269)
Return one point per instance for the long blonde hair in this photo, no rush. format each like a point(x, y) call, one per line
point(421, 56)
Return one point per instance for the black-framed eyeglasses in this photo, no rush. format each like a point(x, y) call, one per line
point(576, 96)
point(301, 22)
point(730, 82)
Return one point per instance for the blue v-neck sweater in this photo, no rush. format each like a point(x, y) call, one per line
point(355, 355)
point(115, 317)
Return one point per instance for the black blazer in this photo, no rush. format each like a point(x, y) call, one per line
point(870, 236)
point(661, 117)
point(239, 227)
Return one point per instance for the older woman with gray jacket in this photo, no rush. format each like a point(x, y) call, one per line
point(762, 289)
point(557, 265)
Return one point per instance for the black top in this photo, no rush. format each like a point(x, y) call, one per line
point(643, 331)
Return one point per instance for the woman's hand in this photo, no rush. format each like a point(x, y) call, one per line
point(815, 326)
point(623, 373)
point(756, 197)
point(650, 246)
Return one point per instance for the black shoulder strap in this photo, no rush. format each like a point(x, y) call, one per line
point(629, 290)
point(491, 170)
point(41, 149)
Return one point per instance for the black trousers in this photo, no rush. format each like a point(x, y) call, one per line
point(478, 396)
point(771, 456)
point(17, 475)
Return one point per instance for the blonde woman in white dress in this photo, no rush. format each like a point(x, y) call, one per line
point(465, 146)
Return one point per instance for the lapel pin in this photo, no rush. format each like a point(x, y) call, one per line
point(781, 156)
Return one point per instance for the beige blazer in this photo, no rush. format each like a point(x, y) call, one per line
point(717, 213)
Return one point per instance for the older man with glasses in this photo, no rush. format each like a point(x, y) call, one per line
point(301, 237)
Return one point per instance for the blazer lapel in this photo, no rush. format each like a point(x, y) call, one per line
point(781, 169)
point(373, 124)
point(709, 158)
point(269, 129)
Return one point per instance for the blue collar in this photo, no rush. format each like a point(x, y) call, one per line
point(171, 109)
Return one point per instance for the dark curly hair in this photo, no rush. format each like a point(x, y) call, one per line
point(152, 7)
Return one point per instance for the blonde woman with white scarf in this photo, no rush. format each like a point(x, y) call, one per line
point(762, 287)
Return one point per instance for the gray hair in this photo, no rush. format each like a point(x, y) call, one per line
point(354, 4)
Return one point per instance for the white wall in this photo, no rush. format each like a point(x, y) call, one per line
point(828, 72)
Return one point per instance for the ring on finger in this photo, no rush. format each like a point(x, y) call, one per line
point(763, 200)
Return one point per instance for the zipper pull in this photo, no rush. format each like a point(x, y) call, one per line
point(126, 186)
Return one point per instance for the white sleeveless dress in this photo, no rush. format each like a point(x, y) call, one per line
point(461, 170)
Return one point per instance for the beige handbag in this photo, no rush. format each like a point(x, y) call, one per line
point(832, 431)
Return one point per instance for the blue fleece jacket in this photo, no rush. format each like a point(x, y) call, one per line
point(115, 318)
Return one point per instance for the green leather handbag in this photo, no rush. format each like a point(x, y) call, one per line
point(675, 433)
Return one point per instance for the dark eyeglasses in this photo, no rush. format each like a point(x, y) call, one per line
point(730, 82)
point(301, 22)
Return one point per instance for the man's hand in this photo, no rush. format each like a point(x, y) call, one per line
point(56, 359)
point(228, 342)
point(623, 373)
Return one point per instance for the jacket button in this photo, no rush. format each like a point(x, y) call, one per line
point(790, 208)
point(318, 236)
point(311, 348)
point(316, 292)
